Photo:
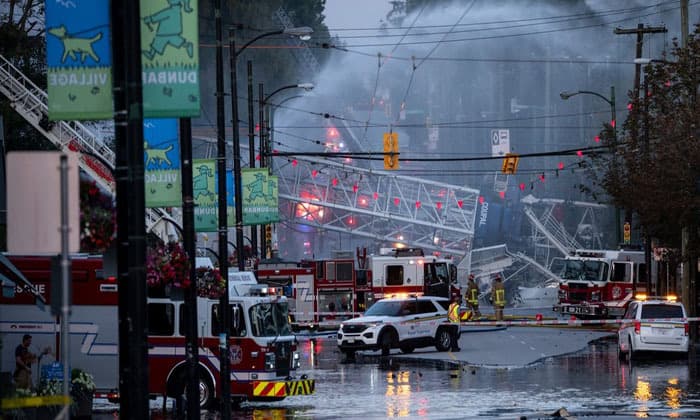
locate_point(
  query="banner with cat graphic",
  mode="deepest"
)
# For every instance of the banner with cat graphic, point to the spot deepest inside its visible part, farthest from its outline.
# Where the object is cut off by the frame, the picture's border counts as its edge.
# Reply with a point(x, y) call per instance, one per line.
point(170, 58)
point(161, 160)
point(79, 60)
point(205, 188)
point(260, 197)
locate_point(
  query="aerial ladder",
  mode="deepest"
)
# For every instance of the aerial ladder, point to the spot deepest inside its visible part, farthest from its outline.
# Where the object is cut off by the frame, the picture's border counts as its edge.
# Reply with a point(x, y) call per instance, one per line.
point(95, 157)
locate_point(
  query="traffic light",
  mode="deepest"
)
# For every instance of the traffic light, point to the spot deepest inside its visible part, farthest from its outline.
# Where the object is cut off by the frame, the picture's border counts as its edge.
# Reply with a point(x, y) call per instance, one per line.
point(391, 151)
point(510, 163)
point(268, 233)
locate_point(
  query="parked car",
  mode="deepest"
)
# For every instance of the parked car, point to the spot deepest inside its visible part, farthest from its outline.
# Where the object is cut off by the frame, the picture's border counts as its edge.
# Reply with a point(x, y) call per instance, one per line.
point(653, 325)
point(401, 322)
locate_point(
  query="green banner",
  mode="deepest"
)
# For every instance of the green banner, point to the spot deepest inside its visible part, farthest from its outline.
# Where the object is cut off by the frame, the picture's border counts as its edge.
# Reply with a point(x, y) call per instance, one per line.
point(260, 197)
point(161, 150)
point(78, 60)
point(170, 58)
point(205, 187)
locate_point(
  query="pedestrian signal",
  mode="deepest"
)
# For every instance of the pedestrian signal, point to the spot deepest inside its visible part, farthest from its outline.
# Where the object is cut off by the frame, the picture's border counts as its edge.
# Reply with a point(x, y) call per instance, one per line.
point(268, 233)
point(391, 151)
point(510, 163)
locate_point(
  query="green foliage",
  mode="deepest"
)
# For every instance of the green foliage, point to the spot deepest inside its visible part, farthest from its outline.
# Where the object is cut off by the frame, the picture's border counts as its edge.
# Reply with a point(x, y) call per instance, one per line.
point(655, 170)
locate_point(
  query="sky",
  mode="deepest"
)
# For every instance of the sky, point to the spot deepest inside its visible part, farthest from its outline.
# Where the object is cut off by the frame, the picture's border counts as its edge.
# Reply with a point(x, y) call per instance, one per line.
point(355, 13)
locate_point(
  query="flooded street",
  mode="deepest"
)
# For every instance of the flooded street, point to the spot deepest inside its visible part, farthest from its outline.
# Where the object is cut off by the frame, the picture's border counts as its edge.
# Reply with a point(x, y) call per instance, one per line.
point(591, 382)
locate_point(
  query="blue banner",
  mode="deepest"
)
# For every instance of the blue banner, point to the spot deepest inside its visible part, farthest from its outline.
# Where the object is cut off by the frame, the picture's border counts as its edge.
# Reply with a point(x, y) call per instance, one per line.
point(161, 159)
point(79, 60)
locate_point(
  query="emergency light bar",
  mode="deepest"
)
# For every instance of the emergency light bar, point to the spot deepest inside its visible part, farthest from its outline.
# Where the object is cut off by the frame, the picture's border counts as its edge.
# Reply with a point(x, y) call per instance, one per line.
point(643, 296)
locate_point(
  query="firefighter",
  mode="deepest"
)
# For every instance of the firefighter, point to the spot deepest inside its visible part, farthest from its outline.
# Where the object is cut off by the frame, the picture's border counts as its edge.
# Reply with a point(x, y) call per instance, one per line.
point(23, 363)
point(453, 317)
point(472, 296)
point(498, 295)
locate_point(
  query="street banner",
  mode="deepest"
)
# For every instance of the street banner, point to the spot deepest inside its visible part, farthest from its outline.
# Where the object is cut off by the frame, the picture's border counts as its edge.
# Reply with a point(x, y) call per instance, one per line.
point(161, 160)
point(170, 58)
point(79, 60)
point(205, 188)
point(260, 197)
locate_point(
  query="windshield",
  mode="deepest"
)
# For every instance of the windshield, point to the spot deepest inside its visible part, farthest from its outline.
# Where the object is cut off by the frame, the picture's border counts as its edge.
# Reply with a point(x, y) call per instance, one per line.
point(388, 308)
point(269, 320)
point(584, 270)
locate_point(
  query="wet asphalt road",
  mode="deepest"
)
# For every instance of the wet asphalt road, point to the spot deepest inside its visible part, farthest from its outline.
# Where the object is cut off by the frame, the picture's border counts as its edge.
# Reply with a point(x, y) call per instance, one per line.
point(589, 382)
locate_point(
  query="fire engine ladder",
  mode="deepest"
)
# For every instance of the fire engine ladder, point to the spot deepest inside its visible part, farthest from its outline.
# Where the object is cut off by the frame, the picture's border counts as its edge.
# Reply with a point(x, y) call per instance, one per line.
point(379, 205)
point(96, 158)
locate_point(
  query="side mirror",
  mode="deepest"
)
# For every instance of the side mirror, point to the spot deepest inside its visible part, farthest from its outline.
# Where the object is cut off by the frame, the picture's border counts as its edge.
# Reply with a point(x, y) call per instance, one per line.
point(235, 320)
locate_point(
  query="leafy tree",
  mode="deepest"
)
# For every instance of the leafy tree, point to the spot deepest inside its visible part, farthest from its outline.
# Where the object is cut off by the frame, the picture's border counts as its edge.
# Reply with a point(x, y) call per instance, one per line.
point(654, 171)
point(22, 44)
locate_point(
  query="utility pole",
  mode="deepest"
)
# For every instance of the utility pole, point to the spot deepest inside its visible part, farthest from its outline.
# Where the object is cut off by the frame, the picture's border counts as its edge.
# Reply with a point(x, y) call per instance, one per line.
point(251, 149)
point(640, 30)
point(131, 210)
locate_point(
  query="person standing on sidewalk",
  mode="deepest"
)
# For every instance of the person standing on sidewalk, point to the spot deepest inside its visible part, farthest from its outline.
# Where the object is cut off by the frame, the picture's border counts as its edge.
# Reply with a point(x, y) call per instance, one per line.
point(498, 294)
point(472, 296)
point(453, 317)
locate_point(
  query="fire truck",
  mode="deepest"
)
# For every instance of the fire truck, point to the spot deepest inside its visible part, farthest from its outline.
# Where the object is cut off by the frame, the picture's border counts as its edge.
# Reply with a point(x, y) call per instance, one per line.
point(336, 288)
point(598, 283)
point(262, 348)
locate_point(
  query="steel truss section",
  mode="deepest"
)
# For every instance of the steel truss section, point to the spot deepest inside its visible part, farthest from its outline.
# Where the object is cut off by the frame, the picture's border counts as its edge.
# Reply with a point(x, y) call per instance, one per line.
point(95, 157)
point(378, 205)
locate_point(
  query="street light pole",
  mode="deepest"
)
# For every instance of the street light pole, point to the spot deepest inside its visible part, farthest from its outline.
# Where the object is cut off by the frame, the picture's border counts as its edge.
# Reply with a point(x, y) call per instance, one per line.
point(613, 124)
point(303, 32)
point(265, 144)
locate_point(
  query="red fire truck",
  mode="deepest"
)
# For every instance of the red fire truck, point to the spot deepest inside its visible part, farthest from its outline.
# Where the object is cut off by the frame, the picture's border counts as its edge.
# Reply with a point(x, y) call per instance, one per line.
point(599, 283)
point(335, 289)
point(263, 350)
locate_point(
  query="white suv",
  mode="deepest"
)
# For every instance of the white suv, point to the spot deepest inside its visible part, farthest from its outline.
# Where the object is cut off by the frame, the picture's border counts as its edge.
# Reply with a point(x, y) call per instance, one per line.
point(404, 323)
point(655, 325)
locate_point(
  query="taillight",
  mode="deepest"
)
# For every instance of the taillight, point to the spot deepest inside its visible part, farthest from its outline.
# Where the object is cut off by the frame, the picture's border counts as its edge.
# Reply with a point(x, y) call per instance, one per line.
point(637, 327)
point(687, 328)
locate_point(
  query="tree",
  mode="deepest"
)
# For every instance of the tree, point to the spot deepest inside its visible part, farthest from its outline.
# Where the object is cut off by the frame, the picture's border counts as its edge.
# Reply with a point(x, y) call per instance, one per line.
point(654, 169)
point(22, 44)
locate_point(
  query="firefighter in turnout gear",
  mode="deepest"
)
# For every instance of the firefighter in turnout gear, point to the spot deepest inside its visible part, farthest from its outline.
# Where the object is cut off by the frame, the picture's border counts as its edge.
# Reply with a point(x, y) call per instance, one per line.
point(472, 297)
point(498, 295)
point(453, 317)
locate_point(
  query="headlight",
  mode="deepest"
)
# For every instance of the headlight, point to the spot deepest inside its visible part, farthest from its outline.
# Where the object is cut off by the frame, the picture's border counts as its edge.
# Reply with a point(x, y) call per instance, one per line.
point(270, 361)
point(562, 294)
point(296, 360)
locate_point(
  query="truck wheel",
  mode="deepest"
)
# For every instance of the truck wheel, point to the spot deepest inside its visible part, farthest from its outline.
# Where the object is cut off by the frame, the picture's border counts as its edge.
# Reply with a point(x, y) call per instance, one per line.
point(443, 339)
point(207, 393)
point(386, 341)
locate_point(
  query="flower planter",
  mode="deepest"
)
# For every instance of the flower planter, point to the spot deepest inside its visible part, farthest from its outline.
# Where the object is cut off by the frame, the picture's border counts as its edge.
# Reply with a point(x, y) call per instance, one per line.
point(83, 406)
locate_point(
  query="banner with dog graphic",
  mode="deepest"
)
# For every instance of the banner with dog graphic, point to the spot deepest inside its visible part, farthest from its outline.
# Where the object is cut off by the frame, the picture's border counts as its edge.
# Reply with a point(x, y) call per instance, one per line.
point(170, 58)
point(205, 187)
point(260, 197)
point(79, 60)
point(161, 160)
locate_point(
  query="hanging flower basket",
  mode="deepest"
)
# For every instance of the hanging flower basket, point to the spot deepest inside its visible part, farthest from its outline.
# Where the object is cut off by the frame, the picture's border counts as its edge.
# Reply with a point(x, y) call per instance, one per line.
point(98, 218)
point(167, 266)
point(210, 283)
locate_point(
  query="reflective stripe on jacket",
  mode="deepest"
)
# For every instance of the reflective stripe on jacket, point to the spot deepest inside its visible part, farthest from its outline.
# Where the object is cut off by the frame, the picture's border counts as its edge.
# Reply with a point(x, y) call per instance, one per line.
point(453, 312)
point(473, 296)
point(500, 298)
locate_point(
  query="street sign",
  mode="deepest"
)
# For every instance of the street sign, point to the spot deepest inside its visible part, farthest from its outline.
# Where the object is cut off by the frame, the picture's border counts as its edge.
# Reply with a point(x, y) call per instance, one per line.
point(500, 142)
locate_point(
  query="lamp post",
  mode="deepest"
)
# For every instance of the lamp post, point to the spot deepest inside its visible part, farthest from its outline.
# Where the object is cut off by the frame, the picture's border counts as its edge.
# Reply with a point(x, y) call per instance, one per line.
point(303, 32)
point(613, 123)
point(265, 142)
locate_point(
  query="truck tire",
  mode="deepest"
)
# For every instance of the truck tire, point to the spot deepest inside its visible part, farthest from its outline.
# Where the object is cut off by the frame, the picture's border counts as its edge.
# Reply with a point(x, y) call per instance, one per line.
point(443, 339)
point(178, 387)
point(387, 338)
